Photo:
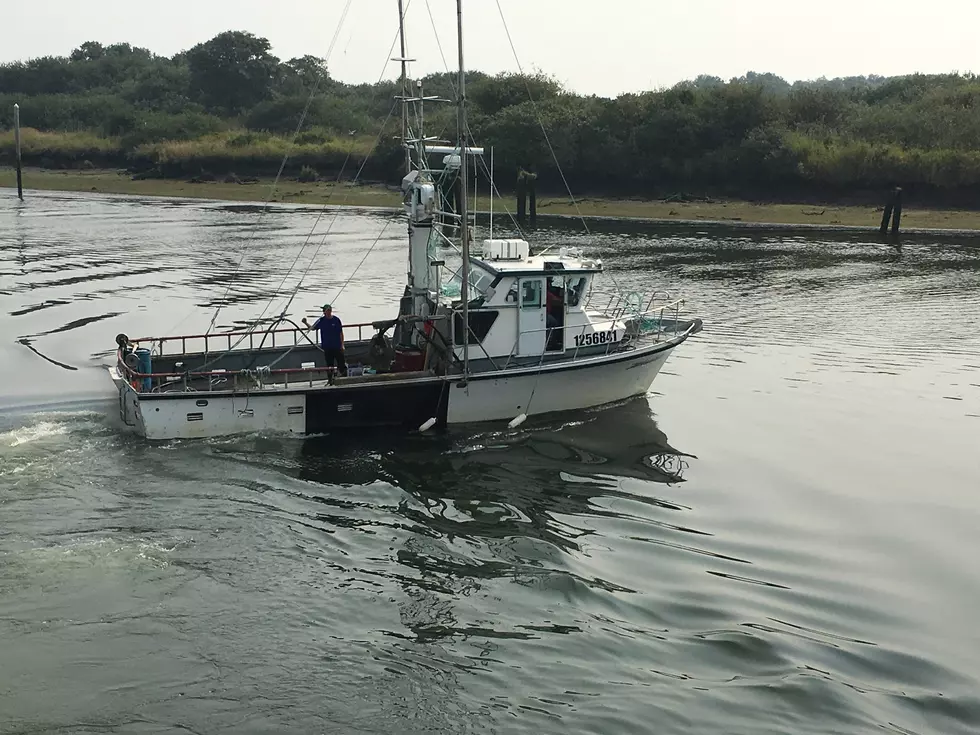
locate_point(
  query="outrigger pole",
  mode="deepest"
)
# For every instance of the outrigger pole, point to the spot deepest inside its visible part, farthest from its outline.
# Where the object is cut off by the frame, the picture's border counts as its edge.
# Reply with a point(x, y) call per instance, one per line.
point(404, 61)
point(464, 289)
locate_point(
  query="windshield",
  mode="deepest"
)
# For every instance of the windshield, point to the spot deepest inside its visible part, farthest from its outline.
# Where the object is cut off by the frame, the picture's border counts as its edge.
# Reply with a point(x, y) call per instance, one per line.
point(479, 281)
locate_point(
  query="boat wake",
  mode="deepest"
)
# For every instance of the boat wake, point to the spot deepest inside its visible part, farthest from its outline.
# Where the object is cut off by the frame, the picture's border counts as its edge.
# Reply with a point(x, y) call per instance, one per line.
point(17, 430)
point(33, 433)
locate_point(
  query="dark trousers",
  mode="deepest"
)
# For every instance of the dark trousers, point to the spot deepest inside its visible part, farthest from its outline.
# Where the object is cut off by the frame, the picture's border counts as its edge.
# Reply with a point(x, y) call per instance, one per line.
point(335, 355)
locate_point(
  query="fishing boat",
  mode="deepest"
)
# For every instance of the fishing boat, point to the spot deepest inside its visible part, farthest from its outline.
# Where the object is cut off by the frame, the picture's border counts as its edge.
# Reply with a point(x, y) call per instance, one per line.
point(508, 334)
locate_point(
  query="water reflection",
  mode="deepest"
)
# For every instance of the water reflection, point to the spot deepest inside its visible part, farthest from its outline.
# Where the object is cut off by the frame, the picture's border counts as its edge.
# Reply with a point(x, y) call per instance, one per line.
point(498, 485)
point(615, 441)
point(584, 554)
point(489, 507)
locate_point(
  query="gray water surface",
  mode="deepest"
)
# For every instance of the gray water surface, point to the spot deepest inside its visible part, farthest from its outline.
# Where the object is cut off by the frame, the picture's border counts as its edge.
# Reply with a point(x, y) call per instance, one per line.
point(781, 538)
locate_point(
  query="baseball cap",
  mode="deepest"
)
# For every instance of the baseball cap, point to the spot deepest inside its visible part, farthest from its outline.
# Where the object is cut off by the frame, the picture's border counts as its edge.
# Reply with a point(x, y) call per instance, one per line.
point(327, 306)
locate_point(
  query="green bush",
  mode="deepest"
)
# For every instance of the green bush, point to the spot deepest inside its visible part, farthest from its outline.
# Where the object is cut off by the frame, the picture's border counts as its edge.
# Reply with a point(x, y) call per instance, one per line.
point(229, 106)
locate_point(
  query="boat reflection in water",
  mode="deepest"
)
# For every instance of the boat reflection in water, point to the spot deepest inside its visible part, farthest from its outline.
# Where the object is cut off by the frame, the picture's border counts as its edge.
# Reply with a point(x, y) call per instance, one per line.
point(496, 508)
point(547, 466)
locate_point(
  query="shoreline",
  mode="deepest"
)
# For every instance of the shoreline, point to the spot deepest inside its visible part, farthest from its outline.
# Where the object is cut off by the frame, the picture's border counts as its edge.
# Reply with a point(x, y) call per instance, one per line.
point(290, 191)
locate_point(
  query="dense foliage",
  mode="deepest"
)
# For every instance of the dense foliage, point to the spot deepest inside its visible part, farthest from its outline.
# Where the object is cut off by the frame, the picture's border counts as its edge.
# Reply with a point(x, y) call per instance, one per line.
point(229, 105)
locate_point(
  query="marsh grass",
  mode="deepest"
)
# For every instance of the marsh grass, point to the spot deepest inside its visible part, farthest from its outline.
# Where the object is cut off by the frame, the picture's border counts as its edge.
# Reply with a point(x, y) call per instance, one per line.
point(373, 195)
point(238, 151)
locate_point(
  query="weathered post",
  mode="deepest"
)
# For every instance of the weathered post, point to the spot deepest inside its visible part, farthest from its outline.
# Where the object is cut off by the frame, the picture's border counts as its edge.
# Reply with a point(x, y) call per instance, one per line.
point(889, 205)
point(897, 213)
point(457, 196)
point(17, 157)
point(521, 195)
point(533, 197)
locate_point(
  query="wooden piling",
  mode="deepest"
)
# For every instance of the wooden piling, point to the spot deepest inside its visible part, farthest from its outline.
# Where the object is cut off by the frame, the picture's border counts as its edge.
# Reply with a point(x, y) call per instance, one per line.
point(887, 215)
point(455, 195)
point(521, 196)
point(532, 193)
point(897, 212)
point(17, 156)
point(892, 213)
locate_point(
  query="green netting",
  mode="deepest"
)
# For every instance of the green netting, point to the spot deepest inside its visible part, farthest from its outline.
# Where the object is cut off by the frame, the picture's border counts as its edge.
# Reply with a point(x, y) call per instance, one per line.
point(649, 325)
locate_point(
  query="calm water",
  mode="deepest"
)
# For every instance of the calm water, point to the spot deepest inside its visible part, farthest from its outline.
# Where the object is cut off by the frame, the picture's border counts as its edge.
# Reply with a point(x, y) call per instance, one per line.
point(781, 538)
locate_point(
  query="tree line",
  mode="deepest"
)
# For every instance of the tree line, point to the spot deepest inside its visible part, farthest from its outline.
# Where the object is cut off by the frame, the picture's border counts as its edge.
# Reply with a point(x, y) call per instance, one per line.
point(229, 104)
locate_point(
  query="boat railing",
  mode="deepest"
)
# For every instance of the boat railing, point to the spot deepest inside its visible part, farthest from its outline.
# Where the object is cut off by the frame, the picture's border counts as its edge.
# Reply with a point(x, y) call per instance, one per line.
point(243, 339)
point(617, 304)
point(230, 342)
point(193, 381)
point(648, 323)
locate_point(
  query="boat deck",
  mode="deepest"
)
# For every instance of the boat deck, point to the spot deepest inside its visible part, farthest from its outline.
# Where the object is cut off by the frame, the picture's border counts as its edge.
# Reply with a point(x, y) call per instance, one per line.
point(240, 362)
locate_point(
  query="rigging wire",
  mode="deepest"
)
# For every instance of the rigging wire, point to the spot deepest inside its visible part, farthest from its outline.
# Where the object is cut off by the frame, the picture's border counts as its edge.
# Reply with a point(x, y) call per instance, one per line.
point(344, 286)
point(469, 131)
point(547, 139)
point(357, 177)
point(333, 221)
point(255, 324)
point(326, 204)
point(253, 327)
point(534, 106)
point(282, 167)
point(306, 242)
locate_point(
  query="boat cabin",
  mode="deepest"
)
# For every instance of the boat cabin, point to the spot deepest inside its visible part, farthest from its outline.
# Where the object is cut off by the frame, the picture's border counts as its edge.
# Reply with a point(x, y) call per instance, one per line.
point(532, 308)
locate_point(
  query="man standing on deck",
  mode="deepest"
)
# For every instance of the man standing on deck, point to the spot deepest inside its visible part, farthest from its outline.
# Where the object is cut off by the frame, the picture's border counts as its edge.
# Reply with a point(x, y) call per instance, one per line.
point(331, 338)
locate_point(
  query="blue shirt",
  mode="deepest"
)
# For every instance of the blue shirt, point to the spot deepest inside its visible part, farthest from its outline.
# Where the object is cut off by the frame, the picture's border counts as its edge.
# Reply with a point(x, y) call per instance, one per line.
point(330, 332)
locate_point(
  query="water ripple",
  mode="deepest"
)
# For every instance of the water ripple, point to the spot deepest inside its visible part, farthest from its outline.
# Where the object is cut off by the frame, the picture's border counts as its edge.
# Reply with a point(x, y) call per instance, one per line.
point(758, 546)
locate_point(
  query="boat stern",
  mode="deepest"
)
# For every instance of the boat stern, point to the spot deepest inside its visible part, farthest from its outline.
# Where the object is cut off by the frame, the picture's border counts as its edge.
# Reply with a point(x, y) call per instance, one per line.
point(129, 402)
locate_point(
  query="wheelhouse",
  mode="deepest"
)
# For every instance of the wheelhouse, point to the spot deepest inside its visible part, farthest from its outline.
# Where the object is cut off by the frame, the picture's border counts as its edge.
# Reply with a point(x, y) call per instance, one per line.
point(532, 307)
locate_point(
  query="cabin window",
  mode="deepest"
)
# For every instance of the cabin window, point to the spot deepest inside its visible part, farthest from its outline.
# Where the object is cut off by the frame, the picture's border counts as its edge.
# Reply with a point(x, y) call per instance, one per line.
point(480, 324)
point(480, 280)
point(576, 290)
point(531, 294)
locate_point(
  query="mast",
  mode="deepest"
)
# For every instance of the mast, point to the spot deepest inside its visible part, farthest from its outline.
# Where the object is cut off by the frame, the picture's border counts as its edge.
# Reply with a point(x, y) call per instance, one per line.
point(404, 60)
point(464, 289)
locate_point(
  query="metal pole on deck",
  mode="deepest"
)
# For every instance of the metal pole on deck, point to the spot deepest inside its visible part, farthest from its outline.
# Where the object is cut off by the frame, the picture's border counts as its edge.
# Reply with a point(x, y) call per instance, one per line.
point(464, 288)
point(404, 81)
point(491, 192)
point(20, 179)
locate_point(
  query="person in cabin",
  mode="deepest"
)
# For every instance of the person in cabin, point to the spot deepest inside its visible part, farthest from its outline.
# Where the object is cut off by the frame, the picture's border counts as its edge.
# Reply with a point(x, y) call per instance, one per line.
point(554, 315)
point(331, 338)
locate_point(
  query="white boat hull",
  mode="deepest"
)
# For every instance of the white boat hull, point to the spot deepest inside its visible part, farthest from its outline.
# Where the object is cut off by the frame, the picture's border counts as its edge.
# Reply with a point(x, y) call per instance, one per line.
point(499, 396)
point(571, 388)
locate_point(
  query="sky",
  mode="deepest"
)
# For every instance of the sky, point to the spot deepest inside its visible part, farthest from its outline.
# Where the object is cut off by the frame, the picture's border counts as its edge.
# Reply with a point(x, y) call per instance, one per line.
point(605, 48)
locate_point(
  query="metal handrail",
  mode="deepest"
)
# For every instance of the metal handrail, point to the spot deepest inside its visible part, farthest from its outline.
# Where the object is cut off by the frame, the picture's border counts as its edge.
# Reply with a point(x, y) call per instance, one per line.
point(618, 303)
point(161, 378)
point(161, 341)
point(295, 331)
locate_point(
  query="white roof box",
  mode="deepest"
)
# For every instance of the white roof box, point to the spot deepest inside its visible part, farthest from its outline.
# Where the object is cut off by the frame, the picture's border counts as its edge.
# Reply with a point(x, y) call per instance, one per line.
point(513, 249)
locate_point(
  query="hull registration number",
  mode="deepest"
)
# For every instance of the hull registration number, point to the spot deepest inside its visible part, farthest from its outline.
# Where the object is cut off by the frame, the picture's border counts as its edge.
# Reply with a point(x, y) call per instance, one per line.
point(596, 338)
